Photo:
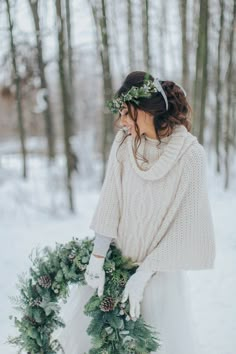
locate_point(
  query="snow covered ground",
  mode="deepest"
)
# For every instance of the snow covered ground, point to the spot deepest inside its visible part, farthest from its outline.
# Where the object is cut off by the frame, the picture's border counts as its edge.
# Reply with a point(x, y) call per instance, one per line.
point(33, 213)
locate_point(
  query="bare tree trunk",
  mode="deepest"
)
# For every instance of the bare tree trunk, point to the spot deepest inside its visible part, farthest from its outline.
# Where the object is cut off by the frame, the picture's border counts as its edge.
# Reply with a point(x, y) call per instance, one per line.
point(146, 46)
point(185, 51)
point(97, 26)
point(18, 90)
point(198, 77)
point(230, 93)
point(218, 125)
point(70, 68)
point(195, 9)
point(204, 89)
point(201, 80)
point(162, 33)
point(99, 14)
point(118, 52)
point(65, 104)
point(130, 35)
point(108, 134)
point(47, 112)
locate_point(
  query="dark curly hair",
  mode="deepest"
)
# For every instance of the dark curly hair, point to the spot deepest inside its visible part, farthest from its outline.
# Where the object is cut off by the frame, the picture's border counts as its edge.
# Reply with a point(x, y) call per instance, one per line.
point(179, 111)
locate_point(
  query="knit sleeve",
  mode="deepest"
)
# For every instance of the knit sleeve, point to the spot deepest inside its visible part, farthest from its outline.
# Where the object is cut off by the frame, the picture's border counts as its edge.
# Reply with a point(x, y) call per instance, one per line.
point(101, 244)
point(106, 217)
point(187, 233)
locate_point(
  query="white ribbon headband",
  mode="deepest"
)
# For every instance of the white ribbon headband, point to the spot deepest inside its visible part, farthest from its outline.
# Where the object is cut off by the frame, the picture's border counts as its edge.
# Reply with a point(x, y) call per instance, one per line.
point(160, 89)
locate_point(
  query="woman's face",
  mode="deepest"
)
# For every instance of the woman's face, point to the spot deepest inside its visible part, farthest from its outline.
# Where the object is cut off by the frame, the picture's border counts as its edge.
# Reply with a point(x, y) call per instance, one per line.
point(144, 121)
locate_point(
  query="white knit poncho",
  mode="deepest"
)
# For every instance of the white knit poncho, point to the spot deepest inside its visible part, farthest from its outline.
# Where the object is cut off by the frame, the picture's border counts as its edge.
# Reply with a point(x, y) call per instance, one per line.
point(158, 212)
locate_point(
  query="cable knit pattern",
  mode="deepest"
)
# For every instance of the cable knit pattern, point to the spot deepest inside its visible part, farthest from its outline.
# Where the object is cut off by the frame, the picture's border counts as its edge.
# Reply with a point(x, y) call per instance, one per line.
point(158, 212)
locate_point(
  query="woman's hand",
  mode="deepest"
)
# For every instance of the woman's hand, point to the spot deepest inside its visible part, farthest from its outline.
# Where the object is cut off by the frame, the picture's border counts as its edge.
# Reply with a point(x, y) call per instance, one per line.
point(95, 274)
point(134, 290)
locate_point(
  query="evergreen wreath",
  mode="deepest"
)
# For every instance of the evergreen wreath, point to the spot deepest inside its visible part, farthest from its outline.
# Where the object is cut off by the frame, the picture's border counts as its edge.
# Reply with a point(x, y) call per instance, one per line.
point(51, 273)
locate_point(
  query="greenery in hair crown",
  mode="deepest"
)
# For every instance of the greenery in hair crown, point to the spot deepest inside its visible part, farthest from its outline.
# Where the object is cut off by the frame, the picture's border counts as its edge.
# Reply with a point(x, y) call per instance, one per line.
point(117, 103)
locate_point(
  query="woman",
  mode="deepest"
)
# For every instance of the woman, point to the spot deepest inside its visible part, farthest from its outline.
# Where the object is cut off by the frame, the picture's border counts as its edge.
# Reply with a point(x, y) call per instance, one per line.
point(154, 205)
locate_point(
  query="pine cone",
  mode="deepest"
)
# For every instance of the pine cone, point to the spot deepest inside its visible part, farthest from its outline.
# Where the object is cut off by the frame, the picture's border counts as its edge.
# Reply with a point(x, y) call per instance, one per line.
point(107, 304)
point(45, 281)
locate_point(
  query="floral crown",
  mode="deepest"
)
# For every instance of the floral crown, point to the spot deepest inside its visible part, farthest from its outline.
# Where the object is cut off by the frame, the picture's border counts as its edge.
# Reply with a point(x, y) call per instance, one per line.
point(149, 87)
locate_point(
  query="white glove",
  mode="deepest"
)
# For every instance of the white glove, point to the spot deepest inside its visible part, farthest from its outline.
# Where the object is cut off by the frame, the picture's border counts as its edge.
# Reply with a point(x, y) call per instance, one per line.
point(134, 290)
point(95, 274)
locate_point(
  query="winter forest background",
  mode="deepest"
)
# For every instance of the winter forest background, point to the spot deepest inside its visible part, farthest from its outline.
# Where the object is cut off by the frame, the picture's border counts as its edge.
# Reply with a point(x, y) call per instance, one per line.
point(60, 61)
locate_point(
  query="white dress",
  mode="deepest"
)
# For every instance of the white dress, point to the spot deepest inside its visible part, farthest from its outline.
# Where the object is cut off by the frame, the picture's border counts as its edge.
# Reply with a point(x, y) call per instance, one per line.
point(166, 306)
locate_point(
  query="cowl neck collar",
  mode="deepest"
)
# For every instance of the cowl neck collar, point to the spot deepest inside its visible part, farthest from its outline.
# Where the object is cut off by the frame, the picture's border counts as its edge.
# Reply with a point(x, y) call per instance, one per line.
point(156, 141)
point(173, 148)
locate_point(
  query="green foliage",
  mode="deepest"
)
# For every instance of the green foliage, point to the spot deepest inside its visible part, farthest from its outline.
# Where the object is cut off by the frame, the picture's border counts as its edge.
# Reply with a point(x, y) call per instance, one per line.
point(51, 273)
point(117, 103)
